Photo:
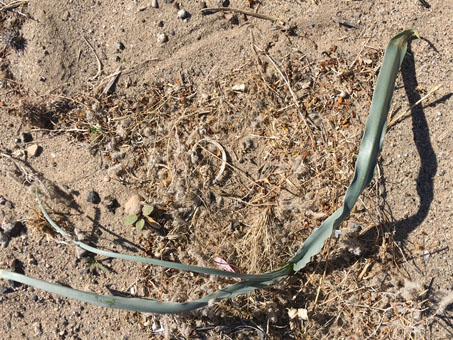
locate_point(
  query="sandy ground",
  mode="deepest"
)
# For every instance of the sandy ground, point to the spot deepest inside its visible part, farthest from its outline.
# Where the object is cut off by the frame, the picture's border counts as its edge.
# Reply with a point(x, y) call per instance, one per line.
point(54, 51)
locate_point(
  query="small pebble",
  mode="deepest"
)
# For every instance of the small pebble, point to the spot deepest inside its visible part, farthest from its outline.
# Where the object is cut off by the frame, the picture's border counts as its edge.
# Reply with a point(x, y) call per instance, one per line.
point(33, 150)
point(154, 4)
point(19, 154)
point(4, 239)
point(239, 87)
point(120, 46)
point(168, 1)
point(160, 23)
point(223, 3)
point(118, 155)
point(133, 205)
point(182, 14)
point(13, 229)
point(162, 38)
point(93, 197)
point(355, 227)
point(80, 252)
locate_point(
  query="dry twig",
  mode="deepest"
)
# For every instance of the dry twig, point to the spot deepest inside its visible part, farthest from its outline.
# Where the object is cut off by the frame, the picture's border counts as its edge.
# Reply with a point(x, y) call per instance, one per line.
point(97, 59)
point(241, 11)
point(402, 115)
point(12, 5)
point(224, 157)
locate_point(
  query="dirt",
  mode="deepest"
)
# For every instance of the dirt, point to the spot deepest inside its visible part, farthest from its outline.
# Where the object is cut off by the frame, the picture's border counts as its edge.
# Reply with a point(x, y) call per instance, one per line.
point(151, 133)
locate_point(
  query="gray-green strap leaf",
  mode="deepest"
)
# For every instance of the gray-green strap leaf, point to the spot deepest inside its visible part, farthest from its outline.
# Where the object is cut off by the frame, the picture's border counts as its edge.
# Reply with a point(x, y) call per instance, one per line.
point(369, 149)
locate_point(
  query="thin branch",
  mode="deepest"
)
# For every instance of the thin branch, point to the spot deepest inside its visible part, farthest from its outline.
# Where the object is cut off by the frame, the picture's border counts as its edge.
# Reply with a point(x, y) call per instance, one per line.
point(97, 59)
point(241, 11)
point(397, 118)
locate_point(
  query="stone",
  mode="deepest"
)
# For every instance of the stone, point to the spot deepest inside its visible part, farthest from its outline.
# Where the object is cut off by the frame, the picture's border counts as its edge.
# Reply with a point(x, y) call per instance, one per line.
point(120, 46)
point(126, 122)
point(118, 155)
point(33, 150)
point(19, 154)
point(80, 252)
point(93, 197)
point(154, 4)
point(182, 14)
point(162, 38)
point(13, 229)
point(133, 205)
point(4, 239)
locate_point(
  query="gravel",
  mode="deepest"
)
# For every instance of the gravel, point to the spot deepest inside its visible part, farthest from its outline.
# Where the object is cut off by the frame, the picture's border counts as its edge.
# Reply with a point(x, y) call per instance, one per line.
point(93, 197)
point(182, 14)
point(162, 38)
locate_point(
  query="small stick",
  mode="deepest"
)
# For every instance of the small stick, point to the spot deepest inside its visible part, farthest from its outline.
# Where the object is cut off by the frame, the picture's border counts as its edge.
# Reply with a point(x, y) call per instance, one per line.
point(343, 22)
point(224, 157)
point(396, 119)
point(321, 280)
point(139, 66)
point(425, 3)
point(242, 172)
point(11, 5)
point(114, 76)
point(97, 59)
point(236, 10)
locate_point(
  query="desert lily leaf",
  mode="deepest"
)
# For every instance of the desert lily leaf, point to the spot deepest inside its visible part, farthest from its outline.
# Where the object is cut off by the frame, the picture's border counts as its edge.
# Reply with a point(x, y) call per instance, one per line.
point(369, 150)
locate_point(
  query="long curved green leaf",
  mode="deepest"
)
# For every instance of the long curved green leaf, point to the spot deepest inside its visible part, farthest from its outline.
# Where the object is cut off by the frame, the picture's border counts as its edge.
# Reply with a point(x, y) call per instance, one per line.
point(364, 170)
point(147, 305)
point(369, 150)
